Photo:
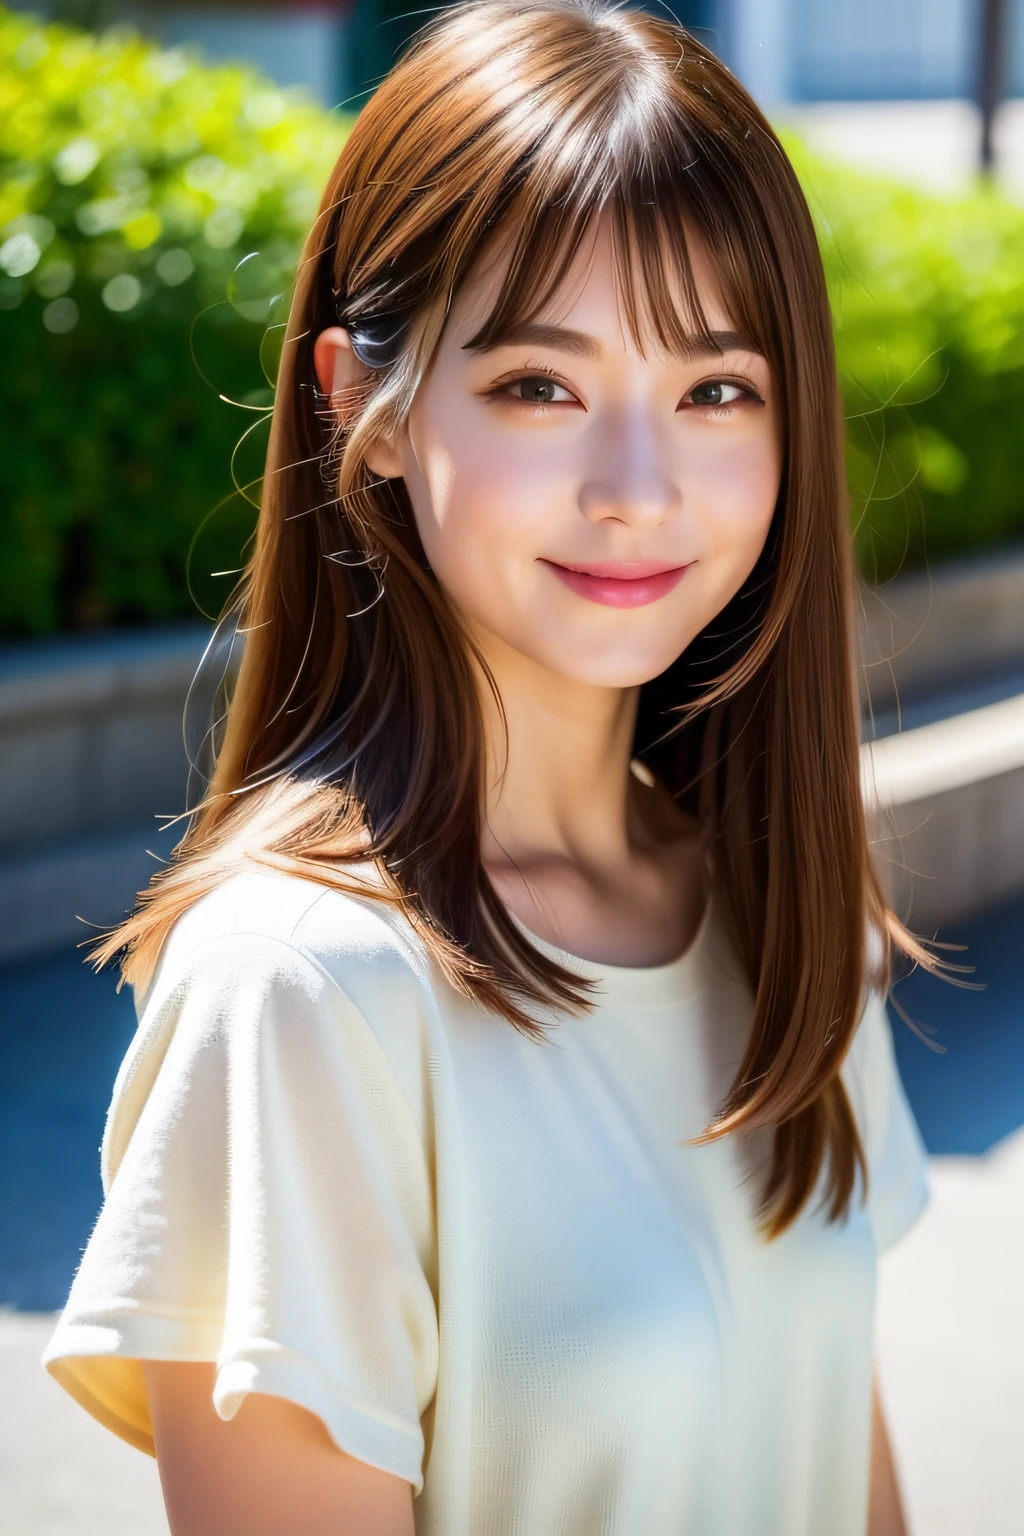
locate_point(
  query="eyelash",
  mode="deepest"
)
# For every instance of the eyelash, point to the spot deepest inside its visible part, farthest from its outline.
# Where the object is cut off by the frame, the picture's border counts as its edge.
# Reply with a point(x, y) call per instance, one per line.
point(499, 390)
point(540, 370)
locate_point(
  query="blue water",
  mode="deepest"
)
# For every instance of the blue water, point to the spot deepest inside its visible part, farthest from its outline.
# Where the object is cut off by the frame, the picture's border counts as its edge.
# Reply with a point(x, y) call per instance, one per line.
point(64, 1030)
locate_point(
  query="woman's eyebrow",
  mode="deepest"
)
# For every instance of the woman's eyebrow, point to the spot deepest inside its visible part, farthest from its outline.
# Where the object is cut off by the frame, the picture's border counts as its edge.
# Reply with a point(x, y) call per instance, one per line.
point(578, 344)
point(717, 342)
point(534, 335)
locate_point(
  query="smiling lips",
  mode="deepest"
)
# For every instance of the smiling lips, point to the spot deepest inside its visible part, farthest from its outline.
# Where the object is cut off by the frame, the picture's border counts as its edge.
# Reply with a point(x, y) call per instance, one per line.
point(620, 583)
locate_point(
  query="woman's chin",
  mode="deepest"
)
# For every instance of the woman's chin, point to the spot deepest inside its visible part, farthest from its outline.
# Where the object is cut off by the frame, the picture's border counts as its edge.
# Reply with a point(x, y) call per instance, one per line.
point(616, 669)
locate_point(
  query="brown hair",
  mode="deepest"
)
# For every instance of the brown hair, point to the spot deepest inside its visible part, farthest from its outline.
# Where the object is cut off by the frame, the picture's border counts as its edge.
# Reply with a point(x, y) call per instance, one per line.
point(353, 727)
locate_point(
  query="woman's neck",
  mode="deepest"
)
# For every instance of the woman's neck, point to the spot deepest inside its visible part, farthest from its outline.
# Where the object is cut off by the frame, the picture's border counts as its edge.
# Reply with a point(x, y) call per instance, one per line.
point(576, 848)
point(557, 751)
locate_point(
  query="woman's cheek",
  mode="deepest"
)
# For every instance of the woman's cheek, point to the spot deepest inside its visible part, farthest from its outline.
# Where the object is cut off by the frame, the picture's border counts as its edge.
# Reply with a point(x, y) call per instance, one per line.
point(456, 495)
point(489, 497)
point(476, 531)
point(734, 486)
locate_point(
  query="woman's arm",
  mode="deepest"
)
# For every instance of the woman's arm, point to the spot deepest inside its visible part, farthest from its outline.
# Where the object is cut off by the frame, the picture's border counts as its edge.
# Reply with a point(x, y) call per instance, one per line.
point(885, 1510)
point(272, 1468)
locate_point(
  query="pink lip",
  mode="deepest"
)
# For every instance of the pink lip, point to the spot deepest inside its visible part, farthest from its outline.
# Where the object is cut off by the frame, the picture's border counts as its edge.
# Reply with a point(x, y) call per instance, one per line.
point(620, 583)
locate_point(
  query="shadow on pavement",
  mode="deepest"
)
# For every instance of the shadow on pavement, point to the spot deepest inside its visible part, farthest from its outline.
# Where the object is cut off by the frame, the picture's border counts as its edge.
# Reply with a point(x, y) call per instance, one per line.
point(63, 1032)
point(971, 1097)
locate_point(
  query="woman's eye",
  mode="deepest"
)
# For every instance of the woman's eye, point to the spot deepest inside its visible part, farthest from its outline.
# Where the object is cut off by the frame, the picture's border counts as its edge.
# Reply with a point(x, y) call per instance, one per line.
point(716, 392)
point(538, 390)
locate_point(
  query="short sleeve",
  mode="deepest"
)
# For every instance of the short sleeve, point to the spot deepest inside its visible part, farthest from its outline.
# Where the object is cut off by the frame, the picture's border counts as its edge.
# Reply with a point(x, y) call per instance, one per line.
point(267, 1207)
point(898, 1180)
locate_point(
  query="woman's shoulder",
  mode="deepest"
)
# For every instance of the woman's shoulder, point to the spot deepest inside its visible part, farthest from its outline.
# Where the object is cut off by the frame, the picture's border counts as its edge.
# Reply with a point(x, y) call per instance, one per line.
point(271, 966)
point(319, 954)
point(268, 918)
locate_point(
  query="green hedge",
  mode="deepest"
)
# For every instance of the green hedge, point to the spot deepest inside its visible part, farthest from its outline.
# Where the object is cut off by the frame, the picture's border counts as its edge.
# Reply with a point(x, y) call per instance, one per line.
point(928, 298)
point(133, 181)
point(150, 208)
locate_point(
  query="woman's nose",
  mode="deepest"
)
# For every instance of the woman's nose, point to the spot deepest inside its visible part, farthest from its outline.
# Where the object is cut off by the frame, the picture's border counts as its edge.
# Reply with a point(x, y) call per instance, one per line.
point(628, 479)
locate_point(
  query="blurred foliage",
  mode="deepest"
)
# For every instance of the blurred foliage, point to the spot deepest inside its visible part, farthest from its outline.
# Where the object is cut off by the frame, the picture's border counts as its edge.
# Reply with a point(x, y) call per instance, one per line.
point(134, 183)
point(151, 212)
point(928, 299)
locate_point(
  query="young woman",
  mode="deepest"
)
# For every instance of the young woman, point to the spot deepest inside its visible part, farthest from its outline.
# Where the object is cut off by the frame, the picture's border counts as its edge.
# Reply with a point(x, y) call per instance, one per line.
point(512, 1127)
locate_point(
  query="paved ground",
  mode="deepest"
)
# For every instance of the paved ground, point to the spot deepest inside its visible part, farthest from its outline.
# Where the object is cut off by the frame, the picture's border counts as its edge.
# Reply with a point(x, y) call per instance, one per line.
point(950, 1325)
point(60, 1473)
point(951, 1345)
point(951, 1348)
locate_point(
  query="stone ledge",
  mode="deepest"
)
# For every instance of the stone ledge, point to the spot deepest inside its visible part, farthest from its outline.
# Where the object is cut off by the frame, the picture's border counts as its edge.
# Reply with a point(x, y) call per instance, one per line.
point(928, 632)
point(91, 732)
point(91, 746)
point(948, 804)
point(61, 894)
point(80, 674)
point(945, 755)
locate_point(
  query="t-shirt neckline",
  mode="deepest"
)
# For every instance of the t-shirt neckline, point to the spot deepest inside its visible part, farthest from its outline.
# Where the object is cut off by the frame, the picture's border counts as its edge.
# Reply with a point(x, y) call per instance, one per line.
point(647, 986)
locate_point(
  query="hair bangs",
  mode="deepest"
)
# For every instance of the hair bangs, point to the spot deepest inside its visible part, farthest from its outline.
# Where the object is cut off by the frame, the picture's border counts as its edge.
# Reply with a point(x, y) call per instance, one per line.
point(641, 168)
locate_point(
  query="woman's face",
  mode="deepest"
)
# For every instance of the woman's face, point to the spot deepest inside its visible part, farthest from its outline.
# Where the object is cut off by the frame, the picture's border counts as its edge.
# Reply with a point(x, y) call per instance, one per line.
point(588, 506)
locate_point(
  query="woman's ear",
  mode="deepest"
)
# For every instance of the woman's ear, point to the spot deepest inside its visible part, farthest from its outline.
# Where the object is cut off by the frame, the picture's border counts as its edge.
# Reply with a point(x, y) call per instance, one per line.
point(342, 378)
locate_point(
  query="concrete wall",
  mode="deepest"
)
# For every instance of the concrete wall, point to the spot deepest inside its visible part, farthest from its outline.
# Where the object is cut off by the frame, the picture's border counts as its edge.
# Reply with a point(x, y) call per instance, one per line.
point(949, 817)
point(91, 732)
point(959, 631)
point(91, 751)
point(943, 689)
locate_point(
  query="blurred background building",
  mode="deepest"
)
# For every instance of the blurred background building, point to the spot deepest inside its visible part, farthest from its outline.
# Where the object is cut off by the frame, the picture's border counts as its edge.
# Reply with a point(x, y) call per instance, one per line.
point(786, 51)
point(876, 50)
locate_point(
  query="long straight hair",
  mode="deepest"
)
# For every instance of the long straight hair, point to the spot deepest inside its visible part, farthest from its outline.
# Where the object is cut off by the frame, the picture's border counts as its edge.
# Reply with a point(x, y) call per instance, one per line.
point(353, 735)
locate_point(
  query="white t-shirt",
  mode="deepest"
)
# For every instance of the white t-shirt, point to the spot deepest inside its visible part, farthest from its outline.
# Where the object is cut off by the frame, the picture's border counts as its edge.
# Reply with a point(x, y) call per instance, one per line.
point(486, 1263)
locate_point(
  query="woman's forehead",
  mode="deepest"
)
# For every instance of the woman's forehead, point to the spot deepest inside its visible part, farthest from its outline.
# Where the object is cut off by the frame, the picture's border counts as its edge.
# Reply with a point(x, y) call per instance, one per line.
point(589, 299)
